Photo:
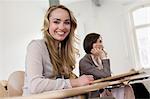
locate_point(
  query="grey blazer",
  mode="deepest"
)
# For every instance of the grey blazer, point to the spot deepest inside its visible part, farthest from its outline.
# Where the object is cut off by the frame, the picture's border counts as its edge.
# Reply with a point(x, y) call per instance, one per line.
point(87, 66)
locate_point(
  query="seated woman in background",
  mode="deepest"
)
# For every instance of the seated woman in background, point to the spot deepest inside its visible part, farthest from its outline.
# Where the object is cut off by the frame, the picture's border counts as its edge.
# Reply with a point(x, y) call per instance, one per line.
point(96, 63)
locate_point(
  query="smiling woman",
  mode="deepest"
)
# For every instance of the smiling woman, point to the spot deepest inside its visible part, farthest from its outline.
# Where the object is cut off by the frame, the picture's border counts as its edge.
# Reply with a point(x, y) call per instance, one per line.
point(60, 26)
point(51, 60)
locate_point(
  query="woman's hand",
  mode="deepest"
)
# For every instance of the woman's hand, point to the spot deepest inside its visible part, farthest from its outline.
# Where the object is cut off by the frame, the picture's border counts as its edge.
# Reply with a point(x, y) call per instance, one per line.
point(82, 80)
point(99, 52)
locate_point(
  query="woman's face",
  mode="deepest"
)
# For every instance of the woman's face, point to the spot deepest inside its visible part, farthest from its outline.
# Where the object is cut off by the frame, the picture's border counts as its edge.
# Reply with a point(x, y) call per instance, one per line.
point(98, 44)
point(60, 24)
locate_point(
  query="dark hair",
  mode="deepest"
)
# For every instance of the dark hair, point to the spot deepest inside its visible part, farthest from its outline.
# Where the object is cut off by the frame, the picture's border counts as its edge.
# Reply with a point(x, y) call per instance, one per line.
point(89, 40)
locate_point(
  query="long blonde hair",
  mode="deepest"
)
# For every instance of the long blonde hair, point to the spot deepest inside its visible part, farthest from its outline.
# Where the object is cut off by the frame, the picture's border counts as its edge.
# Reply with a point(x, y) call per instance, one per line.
point(63, 62)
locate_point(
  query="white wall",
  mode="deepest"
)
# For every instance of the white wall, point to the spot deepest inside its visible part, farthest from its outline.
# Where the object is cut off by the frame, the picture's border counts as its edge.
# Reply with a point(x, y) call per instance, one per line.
point(21, 22)
point(86, 21)
point(112, 26)
point(110, 21)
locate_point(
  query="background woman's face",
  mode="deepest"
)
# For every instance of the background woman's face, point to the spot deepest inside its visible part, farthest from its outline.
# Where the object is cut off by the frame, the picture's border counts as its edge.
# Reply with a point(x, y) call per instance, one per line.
point(98, 44)
point(60, 24)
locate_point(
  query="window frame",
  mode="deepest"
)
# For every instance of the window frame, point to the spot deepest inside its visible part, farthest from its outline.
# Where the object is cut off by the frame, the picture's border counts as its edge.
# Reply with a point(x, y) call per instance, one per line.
point(136, 53)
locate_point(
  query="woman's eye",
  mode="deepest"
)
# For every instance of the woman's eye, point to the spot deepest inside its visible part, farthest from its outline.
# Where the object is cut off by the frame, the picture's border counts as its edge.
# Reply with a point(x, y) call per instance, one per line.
point(57, 22)
point(100, 41)
point(67, 23)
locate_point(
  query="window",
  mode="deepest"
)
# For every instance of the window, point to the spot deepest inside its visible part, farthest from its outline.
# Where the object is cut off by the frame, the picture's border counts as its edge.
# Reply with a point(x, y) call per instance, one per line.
point(141, 26)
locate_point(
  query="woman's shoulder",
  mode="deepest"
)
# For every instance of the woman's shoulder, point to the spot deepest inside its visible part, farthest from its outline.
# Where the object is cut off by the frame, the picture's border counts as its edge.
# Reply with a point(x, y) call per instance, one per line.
point(36, 44)
point(86, 57)
point(37, 41)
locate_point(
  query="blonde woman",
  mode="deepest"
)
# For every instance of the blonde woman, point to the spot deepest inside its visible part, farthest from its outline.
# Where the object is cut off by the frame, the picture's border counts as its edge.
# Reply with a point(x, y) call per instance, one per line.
point(51, 60)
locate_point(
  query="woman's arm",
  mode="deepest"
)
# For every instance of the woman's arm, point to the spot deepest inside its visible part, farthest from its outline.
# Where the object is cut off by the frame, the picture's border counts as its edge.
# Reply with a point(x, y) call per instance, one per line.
point(36, 81)
point(86, 66)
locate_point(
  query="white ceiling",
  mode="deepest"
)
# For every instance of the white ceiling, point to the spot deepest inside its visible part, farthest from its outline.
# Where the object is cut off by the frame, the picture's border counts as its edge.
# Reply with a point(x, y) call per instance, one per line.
point(69, 1)
point(123, 2)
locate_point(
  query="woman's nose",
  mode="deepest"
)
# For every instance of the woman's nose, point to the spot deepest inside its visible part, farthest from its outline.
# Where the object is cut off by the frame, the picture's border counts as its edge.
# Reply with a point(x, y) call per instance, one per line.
point(99, 44)
point(61, 26)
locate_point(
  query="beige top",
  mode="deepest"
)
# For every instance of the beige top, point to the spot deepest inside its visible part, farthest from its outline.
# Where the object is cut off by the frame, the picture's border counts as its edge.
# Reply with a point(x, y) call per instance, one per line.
point(38, 71)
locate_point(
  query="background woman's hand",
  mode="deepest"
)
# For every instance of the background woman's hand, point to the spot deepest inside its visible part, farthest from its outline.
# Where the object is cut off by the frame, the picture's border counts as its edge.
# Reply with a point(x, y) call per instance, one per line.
point(97, 52)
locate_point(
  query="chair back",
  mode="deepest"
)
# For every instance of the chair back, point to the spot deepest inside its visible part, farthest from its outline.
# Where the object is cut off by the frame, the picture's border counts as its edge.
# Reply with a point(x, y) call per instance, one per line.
point(15, 83)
